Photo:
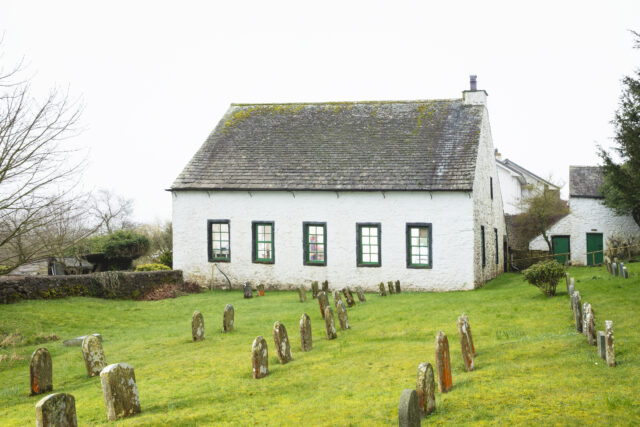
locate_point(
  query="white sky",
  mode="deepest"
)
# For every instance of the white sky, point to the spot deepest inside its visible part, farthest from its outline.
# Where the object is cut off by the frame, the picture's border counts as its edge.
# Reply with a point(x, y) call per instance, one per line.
point(155, 77)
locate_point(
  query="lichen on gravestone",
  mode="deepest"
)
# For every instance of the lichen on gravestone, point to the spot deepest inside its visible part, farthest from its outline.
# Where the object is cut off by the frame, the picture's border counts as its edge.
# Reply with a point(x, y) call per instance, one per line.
point(443, 363)
point(228, 318)
point(306, 340)
point(360, 294)
point(302, 294)
point(41, 371)
point(93, 355)
point(577, 310)
point(325, 286)
point(259, 357)
point(281, 341)
point(609, 342)
point(314, 290)
point(342, 315)
point(426, 389)
point(330, 324)
point(383, 292)
point(408, 409)
point(467, 356)
point(349, 297)
point(56, 410)
point(397, 286)
point(323, 301)
point(197, 326)
point(337, 296)
point(469, 335)
point(391, 287)
point(120, 391)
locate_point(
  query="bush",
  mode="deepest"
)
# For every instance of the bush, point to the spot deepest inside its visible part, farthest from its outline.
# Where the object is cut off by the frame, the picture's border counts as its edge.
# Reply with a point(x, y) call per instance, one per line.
point(4, 269)
point(152, 267)
point(545, 275)
point(119, 248)
point(166, 257)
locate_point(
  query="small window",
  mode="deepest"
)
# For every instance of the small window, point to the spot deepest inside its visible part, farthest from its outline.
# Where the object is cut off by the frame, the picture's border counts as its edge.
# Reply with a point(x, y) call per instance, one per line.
point(219, 240)
point(491, 186)
point(314, 236)
point(495, 231)
point(263, 242)
point(368, 245)
point(419, 245)
point(484, 259)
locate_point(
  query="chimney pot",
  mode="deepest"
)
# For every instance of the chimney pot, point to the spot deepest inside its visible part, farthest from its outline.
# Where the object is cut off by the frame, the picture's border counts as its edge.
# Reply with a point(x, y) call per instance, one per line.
point(473, 82)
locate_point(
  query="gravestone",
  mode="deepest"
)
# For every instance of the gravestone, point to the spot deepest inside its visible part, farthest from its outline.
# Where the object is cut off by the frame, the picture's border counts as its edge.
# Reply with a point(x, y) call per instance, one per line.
point(41, 371)
point(360, 294)
point(383, 292)
point(391, 288)
point(330, 324)
point(93, 355)
point(571, 291)
point(246, 289)
point(408, 409)
point(227, 318)
point(337, 296)
point(325, 287)
point(259, 357)
point(625, 273)
point(281, 341)
point(197, 326)
point(56, 410)
point(443, 363)
point(305, 333)
point(314, 290)
point(426, 389)
point(261, 289)
point(602, 346)
point(397, 286)
point(614, 267)
point(323, 302)
point(348, 296)
point(342, 315)
point(470, 336)
point(467, 355)
point(577, 310)
point(120, 391)
point(572, 281)
point(567, 277)
point(620, 268)
point(77, 341)
point(591, 329)
point(610, 351)
point(302, 294)
point(585, 310)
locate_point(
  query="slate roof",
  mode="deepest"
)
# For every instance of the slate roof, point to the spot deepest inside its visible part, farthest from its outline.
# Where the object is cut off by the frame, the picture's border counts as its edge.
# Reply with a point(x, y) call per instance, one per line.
point(585, 181)
point(394, 145)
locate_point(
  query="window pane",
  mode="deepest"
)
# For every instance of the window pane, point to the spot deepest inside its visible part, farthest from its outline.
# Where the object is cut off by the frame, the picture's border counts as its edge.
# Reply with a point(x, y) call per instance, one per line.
point(215, 227)
point(366, 258)
point(320, 256)
point(374, 231)
point(374, 258)
point(267, 229)
point(414, 232)
point(415, 259)
point(414, 241)
point(424, 232)
point(365, 240)
point(320, 238)
point(374, 249)
point(320, 248)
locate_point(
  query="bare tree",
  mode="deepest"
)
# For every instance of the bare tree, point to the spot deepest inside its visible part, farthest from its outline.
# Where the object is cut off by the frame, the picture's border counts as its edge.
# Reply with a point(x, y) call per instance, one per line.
point(113, 211)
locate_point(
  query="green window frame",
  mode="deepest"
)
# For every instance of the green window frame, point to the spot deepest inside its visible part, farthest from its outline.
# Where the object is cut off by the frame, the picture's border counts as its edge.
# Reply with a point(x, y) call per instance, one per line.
point(219, 240)
point(314, 242)
point(368, 244)
point(484, 255)
point(419, 245)
point(263, 242)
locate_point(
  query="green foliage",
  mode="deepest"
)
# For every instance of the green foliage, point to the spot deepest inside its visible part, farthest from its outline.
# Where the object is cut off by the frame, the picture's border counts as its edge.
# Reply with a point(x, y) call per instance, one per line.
point(545, 275)
point(152, 267)
point(166, 258)
point(4, 269)
point(119, 248)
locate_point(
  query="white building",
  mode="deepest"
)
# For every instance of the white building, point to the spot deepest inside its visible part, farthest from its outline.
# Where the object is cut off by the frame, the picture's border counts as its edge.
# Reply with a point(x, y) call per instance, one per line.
point(585, 231)
point(354, 193)
point(515, 182)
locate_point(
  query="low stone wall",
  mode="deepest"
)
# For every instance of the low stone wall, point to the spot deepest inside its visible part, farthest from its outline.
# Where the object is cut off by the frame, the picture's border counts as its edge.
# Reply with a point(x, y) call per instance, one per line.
point(108, 284)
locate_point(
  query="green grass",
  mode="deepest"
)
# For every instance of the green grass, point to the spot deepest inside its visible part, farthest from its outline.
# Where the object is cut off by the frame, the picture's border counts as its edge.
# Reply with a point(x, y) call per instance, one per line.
point(531, 366)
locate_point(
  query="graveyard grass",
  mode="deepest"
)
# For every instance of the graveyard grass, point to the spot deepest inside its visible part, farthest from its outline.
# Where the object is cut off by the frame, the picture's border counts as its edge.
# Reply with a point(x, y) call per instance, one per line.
point(531, 365)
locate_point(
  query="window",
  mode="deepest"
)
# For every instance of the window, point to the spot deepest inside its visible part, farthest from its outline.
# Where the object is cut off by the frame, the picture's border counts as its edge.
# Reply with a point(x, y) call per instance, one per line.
point(368, 244)
point(263, 246)
point(491, 186)
point(495, 231)
point(314, 235)
point(219, 240)
point(419, 245)
point(484, 259)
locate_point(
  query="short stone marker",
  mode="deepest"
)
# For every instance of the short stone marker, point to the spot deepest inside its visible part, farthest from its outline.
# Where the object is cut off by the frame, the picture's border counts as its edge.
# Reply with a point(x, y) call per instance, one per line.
point(577, 310)
point(302, 294)
point(330, 324)
point(56, 410)
point(426, 389)
point(197, 326)
point(342, 315)
point(337, 296)
point(120, 391)
point(443, 363)
point(567, 277)
point(77, 341)
point(281, 341)
point(247, 291)
point(391, 288)
point(305, 333)
point(314, 290)
point(348, 296)
point(325, 287)
point(360, 294)
point(614, 267)
point(383, 292)
point(602, 345)
point(397, 286)
point(591, 327)
point(469, 335)
point(260, 357)
point(323, 302)
point(610, 351)
point(93, 355)
point(467, 355)
point(227, 318)
point(408, 409)
point(41, 371)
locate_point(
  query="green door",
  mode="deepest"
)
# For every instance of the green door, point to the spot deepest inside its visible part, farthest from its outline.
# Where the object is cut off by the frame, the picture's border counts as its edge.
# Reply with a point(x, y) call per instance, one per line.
point(560, 245)
point(594, 249)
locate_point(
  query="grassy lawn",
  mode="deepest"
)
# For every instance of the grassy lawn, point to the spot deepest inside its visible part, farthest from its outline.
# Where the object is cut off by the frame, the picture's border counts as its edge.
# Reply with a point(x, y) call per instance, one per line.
point(531, 365)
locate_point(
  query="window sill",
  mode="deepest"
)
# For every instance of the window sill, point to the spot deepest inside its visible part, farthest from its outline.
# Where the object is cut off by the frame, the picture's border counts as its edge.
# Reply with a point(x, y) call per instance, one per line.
point(420, 267)
point(368, 265)
point(219, 260)
point(263, 262)
point(316, 264)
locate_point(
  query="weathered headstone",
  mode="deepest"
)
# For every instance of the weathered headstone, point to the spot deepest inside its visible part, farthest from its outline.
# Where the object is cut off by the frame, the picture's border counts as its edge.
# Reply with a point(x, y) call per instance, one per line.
point(572, 281)
point(227, 318)
point(77, 341)
point(281, 341)
point(467, 355)
point(620, 268)
point(330, 324)
point(614, 267)
point(625, 273)
point(348, 296)
point(383, 292)
point(197, 326)
point(391, 288)
point(325, 287)
point(342, 315)
point(323, 301)
point(56, 410)
point(469, 335)
point(93, 355)
point(306, 340)
point(567, 277)
point(610, 350)
point(585, 310)
point(302, 294)
point(360, 294)
point(571, 291)
point(397, 286)
point(443, 363)
point(120, 391)
point(602, 345)
point(247, 291)
point(577, 310)
point(426, 388)
point(408, 409)
point(261, 289)
point(591, 328)
point(314, 290)
point(41, 371)
point(337, 296)
point(260, 357)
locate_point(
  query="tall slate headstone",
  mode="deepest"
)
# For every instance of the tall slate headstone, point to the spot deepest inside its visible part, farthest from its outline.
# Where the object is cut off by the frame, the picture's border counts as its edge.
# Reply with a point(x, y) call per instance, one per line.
point(93, 355)
point(197, 326)
point(348, 296)
point(469, 335)
point(383, 292)
point(330, 324)
point(360, 294)
point(467, 355)
point(443, 363)
point(41, 371)
point(586, 307)
point(314, 290)
point(56, 410)
point(577, 310)
point(259, 358)
point(247, 291)
point(323, 301)
point(342, 315)
point(602, 345)
point(302, 294)
point(306, 340)
point(610, 350)
point(120, 391)
point(281, 341)
point(227, 318)
point(614, 267)
point(408, 409)
point(620, 268)
point(426, 388)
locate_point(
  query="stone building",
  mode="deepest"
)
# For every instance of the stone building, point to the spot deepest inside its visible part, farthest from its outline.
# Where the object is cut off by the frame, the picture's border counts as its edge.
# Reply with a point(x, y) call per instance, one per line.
point(354, 193)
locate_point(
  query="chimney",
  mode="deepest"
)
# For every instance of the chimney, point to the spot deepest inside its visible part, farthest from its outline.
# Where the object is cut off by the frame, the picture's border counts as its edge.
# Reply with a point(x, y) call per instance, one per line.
point(497, 154)
point(474, 96)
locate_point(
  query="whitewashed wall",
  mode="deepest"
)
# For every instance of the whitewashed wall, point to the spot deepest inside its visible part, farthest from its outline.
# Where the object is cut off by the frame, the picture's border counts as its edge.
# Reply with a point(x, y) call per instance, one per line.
point(588, 215)
point(511, 190)
point(450, 213)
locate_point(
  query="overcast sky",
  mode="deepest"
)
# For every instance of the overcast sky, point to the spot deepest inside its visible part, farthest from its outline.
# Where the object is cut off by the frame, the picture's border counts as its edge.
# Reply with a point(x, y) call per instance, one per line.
point(155, 77)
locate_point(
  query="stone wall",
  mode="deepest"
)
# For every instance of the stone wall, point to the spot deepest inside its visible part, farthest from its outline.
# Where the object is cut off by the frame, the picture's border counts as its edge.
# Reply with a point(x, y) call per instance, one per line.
point(109, 284)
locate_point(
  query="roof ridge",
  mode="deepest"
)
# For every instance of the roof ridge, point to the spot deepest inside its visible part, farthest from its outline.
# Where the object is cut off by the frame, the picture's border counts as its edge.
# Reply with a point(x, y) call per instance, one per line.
point(246, 104)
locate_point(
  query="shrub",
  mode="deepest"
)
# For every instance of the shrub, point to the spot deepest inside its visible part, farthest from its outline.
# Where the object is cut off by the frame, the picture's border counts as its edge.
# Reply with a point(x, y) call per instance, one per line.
point(4, 269)
point(545, 275)
point(166, 257)
point(118, 248)
point(152, 267)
